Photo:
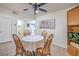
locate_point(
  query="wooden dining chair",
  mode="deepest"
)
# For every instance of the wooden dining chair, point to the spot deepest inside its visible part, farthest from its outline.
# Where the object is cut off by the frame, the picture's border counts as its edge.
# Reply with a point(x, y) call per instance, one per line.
point(44, 34)
point(19, 46)
point(45, 50)
point(27, 32)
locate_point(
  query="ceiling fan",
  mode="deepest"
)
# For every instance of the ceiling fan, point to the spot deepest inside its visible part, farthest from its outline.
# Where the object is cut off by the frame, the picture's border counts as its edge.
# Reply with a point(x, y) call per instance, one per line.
point(36, 7)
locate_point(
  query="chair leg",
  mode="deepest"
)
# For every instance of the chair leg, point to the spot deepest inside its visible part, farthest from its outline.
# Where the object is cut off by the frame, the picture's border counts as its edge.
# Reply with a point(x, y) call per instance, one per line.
point(49, 54)
point(15, 54)
point(25, 54)
point(21, 54)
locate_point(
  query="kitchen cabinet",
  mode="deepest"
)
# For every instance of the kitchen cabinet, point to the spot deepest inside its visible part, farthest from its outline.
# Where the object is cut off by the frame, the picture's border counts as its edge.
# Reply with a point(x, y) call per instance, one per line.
point(73, 16)
point(73, 27)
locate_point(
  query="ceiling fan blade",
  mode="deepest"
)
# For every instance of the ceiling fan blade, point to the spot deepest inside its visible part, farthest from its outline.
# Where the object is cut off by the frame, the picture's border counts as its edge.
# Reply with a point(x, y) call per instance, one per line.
point(41, 4)
point(35, 3)
point(25, 9)
point(43, 10)
point(30, 4)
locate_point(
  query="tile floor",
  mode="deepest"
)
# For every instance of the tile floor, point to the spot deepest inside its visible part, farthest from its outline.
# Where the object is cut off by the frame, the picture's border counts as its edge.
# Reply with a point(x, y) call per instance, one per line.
point(8, 49)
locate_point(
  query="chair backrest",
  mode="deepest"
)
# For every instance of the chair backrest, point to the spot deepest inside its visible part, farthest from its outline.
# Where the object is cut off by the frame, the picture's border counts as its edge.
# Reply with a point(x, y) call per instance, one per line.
point(44, 34)
point(48, 41)
point(17, 41)
point(27, 32)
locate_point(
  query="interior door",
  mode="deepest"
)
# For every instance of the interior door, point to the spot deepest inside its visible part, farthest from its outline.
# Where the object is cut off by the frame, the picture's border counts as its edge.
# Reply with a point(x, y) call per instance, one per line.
point(5, 30)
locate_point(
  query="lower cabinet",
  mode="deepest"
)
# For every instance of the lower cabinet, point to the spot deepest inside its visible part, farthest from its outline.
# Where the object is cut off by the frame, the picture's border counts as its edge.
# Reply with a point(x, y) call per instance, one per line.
point(72, 50)
point(78, 52)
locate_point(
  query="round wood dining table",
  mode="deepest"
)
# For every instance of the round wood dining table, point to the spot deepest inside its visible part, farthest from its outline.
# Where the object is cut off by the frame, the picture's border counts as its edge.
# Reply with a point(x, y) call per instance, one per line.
point(32, 38)
point(31, 42)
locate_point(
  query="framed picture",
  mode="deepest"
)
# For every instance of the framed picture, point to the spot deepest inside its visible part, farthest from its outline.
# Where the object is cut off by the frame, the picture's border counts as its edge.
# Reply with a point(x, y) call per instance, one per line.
point(47, 24)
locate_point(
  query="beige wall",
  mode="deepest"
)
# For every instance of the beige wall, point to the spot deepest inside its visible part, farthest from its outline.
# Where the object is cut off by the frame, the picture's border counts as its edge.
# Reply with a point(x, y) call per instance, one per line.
point(60, 31)
point(7, 28)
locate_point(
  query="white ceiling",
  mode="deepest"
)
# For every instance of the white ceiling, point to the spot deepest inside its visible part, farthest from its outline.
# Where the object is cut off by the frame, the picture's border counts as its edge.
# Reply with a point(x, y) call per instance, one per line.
point(50, 7)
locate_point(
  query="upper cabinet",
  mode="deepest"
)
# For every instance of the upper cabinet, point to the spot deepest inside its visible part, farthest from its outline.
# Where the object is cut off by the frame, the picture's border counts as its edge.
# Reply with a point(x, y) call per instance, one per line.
point(73, 16)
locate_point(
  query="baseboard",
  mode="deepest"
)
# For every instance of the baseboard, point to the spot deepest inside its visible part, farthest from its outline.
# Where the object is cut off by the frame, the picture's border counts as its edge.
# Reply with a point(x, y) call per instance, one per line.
point(60, 45)
point(5, 42)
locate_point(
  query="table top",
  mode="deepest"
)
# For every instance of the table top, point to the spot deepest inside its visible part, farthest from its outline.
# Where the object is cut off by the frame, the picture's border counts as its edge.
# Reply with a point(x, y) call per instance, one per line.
point(32, 38)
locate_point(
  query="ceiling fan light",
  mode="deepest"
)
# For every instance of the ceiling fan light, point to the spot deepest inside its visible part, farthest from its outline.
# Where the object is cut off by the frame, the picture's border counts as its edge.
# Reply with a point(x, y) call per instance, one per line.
point(36, 11)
